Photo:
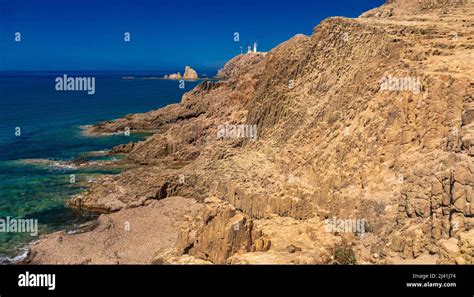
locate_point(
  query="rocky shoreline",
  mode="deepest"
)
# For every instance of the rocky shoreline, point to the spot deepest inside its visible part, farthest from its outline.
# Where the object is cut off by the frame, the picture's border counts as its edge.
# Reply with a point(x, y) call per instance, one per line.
point(332, 145)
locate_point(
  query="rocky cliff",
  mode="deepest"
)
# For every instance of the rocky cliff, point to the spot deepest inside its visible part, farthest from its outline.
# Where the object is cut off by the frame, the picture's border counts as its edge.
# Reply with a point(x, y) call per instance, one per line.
point(368, 120)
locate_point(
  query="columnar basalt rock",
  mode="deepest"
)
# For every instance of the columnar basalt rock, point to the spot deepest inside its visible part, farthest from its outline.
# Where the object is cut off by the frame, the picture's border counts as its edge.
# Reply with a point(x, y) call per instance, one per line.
point(218, 232)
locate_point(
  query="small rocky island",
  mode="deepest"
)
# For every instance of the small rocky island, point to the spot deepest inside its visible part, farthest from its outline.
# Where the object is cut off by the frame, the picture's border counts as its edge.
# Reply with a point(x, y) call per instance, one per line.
point(189, 74)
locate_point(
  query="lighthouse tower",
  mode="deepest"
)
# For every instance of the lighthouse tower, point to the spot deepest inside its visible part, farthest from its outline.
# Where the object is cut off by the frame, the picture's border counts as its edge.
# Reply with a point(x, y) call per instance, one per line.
point(255, 47)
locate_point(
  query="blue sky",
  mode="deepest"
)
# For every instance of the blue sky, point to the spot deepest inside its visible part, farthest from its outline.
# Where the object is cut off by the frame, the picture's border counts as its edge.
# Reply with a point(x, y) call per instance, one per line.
point(165, 35)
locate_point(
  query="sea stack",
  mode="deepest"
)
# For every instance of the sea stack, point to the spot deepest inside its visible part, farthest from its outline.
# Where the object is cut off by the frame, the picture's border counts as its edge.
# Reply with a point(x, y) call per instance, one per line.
point(189, 74)
point(174, 76)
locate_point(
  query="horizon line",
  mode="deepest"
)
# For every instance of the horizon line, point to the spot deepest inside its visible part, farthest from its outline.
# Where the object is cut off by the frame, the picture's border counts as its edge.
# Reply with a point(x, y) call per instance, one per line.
point(95, 70)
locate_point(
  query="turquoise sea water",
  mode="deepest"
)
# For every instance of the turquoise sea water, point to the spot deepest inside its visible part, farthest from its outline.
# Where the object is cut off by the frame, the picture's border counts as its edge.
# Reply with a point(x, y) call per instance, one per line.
point(50, 124)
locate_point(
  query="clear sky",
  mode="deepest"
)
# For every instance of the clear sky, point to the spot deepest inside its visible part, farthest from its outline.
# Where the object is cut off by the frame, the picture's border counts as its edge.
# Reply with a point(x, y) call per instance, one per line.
point(165, 35)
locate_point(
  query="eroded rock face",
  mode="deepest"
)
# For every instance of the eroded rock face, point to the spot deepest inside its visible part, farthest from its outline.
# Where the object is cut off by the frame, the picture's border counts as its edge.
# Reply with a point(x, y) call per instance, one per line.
point(428, 4)
point(216, 233)
point(239, 65)
point(368, 118)
point(458, 250)
point(190, 74)
point(414, 7)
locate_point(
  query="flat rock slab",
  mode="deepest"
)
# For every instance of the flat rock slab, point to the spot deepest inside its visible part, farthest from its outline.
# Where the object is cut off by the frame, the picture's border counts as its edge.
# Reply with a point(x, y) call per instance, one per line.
point(130, 236)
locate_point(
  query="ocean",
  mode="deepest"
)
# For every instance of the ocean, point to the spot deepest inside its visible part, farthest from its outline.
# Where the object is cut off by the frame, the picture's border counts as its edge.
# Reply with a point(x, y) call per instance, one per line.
point(38, 122)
